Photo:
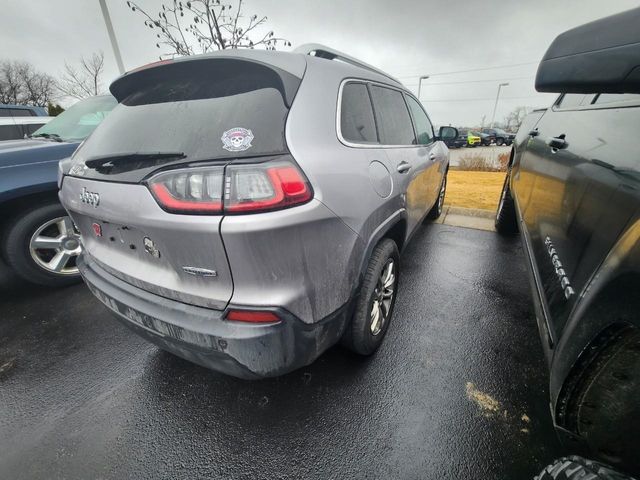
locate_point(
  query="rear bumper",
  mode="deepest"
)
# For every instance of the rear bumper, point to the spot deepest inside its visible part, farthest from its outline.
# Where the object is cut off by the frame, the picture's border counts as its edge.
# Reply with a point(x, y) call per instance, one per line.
point(200, 335)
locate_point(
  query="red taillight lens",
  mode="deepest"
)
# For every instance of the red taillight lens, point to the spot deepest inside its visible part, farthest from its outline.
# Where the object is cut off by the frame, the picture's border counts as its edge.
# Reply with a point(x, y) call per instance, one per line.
point(261, 187)
point(252, 316)
point(196, 191)
point(248, 188)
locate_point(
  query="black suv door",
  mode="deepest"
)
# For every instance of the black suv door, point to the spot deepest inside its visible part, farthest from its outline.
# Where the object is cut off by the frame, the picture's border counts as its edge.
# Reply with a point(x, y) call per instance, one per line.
point(577, 189)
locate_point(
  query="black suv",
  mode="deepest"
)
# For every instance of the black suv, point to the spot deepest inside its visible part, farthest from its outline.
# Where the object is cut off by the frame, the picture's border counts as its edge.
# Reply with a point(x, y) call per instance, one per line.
point(497, 136)
point(573, 191)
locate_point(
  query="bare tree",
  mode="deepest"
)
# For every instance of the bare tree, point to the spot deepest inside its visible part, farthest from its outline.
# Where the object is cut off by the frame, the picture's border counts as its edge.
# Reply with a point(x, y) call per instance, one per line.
point(200, 26)
point(21, 83)
point(513, 120)
point(84, 80)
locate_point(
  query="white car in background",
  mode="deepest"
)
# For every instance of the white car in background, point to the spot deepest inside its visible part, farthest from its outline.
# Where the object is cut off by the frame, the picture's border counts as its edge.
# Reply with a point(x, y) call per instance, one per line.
point(14, 128)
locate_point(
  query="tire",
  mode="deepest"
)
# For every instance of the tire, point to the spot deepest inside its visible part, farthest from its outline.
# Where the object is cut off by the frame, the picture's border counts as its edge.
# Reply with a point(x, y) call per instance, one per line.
point(364, 334)
point(578, 468)
point(506, 220)
point(436, 210)
point(499, 141)
point(17, 243)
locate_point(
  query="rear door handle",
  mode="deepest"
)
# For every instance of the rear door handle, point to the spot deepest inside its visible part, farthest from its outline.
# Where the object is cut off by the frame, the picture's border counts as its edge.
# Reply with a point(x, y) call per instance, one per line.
point(403, 167)
point(432, 156)
point(558, 142)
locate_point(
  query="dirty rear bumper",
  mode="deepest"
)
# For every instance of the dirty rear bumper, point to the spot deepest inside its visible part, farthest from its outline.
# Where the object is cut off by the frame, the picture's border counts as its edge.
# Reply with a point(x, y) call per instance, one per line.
point(202, 336)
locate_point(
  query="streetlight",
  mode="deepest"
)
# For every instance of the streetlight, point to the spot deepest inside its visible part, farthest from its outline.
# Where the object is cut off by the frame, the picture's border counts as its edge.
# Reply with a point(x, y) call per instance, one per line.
point(493, 117)
point(424, 77)
point(112, 35)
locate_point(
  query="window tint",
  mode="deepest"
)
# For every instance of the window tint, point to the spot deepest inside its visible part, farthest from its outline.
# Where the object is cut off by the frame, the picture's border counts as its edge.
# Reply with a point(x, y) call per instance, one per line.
point(617, 98)
point(10, 132)
point(424, 129)
point(392, 117)
point(573, 100)
point(356, 115)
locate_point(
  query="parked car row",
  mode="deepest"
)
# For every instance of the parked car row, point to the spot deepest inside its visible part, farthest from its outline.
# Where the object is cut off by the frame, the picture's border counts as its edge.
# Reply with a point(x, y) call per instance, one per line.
point(484, 137)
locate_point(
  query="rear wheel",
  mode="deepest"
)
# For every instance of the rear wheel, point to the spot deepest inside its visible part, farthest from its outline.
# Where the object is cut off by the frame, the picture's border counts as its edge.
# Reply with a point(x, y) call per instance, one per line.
point(499, 141)
point(41, 246)
point(506, 221)
point(374, 306)
point(436, 210)
point(577, 468)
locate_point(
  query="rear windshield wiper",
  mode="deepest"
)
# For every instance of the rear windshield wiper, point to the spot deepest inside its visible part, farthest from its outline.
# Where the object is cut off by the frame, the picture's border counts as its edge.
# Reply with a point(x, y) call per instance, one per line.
point(52, 136)
point(124, 162)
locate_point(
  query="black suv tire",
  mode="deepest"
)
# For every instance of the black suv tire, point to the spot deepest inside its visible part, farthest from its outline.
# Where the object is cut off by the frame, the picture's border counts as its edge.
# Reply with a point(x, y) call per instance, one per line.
point(506, 220)
point(578, 468)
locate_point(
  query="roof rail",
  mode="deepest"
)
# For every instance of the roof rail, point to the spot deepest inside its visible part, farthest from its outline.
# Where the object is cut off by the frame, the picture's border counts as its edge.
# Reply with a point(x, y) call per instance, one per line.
point(322, 51)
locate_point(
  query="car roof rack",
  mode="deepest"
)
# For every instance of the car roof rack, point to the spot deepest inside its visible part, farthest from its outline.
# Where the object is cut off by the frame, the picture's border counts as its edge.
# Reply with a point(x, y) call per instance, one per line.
point(323, 51)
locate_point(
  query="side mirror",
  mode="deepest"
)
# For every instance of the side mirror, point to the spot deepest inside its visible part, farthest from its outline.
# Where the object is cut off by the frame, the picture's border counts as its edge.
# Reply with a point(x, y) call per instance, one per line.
point(447, 133)
point(598, 57)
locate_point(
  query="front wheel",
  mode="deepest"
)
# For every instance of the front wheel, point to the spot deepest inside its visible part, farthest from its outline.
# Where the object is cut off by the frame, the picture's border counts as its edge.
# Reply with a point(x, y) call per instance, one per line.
point(577, 468)
point(436, 210)
point(499, 141)
point(42, 245)
point(506, 221)
point(377, 297)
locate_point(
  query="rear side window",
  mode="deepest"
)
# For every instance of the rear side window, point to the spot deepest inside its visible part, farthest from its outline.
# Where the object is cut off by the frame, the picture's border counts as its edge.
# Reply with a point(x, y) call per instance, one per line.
point(392, 117)
point(424, 129)
point(356, 115)
point(616, 98)
point(16, 112)
point(573, 100)
point(10, 132)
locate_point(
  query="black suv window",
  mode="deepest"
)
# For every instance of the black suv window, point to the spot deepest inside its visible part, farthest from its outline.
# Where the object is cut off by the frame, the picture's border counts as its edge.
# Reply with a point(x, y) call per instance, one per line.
point(424, 129)
point(392, 117)
point(356, 115)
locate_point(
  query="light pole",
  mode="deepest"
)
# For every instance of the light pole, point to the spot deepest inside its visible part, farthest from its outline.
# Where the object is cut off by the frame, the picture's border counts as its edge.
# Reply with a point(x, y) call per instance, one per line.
point(493, 117)
point(424, 77)
point(112, 35)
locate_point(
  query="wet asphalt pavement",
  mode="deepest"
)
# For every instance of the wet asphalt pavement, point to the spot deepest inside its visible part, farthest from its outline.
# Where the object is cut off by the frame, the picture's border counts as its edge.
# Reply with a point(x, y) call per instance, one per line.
point(458, 390)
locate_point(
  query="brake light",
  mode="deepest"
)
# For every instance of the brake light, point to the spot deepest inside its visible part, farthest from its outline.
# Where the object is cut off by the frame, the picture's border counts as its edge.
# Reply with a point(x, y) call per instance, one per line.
point(253, 188)
point(248, 188)
point(252, 316)
point(195, 191)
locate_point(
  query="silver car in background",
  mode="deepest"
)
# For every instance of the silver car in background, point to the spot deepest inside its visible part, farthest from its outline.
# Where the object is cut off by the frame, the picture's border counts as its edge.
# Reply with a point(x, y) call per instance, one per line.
point(245, 210)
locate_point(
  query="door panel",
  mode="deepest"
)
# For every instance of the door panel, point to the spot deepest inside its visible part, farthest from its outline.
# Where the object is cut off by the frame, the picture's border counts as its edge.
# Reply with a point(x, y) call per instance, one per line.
point(580, 197)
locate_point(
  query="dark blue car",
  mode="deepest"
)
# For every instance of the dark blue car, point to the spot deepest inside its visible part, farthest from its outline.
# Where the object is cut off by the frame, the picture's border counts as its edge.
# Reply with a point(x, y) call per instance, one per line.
point(37, 238)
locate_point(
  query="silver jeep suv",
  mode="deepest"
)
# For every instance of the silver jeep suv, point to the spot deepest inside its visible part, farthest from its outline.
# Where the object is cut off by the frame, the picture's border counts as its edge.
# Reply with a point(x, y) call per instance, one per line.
point(244, 210)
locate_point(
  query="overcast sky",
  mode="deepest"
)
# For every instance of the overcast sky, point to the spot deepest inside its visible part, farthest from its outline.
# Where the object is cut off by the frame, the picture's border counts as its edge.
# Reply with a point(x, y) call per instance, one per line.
point(406, 38)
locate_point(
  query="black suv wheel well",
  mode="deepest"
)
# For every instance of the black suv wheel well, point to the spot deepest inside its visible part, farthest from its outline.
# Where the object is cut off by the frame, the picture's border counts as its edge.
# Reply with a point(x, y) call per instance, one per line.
point(598, 400)
point(398, 233)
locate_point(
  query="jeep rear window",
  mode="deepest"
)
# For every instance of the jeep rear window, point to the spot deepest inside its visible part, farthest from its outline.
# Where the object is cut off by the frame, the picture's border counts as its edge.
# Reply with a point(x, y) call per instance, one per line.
point(188, 107)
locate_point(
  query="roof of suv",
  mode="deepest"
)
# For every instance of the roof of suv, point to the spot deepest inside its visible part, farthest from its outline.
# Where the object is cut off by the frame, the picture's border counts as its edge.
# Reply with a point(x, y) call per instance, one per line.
point(294, 63)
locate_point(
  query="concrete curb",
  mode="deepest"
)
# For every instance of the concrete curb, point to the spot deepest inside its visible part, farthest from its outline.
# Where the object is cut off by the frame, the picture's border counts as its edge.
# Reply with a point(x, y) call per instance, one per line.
point(468, 218)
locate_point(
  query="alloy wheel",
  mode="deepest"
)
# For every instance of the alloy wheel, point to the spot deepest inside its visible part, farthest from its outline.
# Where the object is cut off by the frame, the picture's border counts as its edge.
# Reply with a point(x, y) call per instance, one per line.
point(55, 246)
point(383, 297)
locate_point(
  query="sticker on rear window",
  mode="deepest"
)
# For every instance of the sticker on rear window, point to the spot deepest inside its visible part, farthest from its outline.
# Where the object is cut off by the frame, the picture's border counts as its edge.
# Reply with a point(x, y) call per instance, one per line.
point(237, 139)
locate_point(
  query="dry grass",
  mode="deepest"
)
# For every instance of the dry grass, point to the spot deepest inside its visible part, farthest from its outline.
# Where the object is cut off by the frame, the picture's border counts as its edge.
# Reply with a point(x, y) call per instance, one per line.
point(474, 189)
point(479, 162)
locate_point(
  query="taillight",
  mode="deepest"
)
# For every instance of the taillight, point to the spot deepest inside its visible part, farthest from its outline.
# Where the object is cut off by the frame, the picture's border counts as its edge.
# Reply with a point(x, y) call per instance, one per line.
point(193, 190)
point(248, 188)
point(252, 316)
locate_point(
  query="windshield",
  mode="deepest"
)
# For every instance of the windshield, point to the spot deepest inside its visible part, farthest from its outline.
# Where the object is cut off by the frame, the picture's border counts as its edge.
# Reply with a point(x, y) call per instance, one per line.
point(76, 123)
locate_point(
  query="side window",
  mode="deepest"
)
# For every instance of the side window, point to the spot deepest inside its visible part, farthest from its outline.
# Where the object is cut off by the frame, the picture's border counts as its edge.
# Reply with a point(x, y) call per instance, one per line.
point(605, 98)
point(573, 100)
point(10, 132)
point(424, 129)
point(392, 117)
point(356, 115)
